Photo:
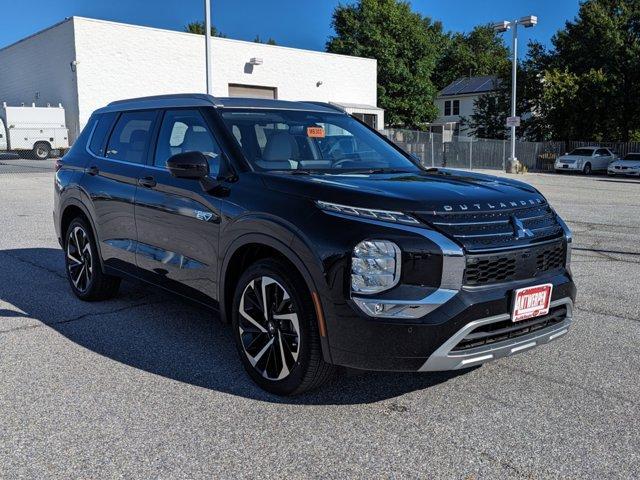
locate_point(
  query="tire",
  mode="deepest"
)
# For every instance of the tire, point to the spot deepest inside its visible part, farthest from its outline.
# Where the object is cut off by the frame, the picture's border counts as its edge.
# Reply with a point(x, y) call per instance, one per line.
point(41, 151)
point(278, 358)
point(587, 169)
point(82, 264)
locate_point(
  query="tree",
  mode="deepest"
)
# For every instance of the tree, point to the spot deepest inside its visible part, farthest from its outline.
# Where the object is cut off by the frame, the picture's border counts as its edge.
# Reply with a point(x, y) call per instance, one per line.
point(269, 41)
point(198, 28)
point(406, 46)
point(480, 52)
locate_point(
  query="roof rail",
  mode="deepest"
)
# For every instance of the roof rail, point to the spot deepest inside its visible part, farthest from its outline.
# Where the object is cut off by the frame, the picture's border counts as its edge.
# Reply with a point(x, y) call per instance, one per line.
point(200, 96)
point(332, 106)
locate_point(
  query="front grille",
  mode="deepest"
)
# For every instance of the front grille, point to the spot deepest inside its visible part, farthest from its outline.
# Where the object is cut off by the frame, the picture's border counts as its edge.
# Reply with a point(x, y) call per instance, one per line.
point(521, 264)
point(506, 330)
point(496, 229)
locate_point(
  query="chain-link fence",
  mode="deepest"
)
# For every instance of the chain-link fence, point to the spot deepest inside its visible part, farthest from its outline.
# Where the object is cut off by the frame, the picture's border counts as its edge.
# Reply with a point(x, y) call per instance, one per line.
point(434, 150)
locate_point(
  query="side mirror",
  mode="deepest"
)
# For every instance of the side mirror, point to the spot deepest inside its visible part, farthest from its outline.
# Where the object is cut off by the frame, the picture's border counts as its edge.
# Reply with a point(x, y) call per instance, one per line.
point(192, 165)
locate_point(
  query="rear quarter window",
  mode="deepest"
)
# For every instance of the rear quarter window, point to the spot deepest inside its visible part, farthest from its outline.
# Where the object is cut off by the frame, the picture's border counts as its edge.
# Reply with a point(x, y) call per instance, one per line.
point(99, 138)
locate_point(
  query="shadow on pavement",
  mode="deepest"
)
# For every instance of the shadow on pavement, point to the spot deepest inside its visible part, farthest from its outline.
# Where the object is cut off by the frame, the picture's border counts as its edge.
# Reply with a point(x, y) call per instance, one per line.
point(165, 335)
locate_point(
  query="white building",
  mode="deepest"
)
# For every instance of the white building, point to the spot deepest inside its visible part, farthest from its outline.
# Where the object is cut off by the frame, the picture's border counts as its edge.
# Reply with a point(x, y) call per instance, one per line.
point(456, 101)
point(85, 63)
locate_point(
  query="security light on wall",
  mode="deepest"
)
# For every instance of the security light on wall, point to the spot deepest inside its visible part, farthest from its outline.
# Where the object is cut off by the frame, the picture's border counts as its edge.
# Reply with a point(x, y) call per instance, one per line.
point(256, 61)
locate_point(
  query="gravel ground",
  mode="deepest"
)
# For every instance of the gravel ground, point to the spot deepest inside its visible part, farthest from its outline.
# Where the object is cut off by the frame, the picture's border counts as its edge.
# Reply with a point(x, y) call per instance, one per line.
point(149, 386)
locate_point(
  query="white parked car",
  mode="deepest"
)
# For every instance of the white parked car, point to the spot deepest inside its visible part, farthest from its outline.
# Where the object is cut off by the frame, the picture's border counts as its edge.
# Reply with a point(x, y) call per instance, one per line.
point(629, 165)
point(585, 160)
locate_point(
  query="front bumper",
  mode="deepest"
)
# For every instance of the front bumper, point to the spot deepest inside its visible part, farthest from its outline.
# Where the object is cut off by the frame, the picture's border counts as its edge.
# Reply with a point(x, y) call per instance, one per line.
point(425, 344)
point(628, 172)
point(446, 358)
point(568, 167)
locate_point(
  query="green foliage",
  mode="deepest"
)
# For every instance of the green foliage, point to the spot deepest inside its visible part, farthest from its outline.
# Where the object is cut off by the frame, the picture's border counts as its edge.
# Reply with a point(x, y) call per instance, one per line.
point(480, 52)
point(269, 41)
point(198, 28)
point(407, 47)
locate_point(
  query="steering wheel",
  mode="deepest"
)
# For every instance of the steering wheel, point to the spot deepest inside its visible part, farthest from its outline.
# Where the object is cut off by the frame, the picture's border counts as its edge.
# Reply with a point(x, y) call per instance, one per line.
point(339, 163)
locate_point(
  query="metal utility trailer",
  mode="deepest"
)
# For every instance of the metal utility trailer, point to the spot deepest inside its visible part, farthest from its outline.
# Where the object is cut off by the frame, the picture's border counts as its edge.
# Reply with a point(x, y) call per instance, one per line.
point(36, 130)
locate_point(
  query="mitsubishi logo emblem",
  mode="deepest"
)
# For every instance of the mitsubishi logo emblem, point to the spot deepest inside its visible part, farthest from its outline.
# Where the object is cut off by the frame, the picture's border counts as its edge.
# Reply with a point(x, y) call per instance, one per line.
point(519, 230)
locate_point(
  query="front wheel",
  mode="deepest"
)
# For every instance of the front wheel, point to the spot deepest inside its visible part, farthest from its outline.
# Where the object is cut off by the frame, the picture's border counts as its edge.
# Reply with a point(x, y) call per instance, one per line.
point(587, 169)
point(275, 329)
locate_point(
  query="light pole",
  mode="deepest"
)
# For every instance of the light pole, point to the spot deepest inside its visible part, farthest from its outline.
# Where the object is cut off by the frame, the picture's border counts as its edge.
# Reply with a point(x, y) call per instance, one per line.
point(207, 43)
point(513, 121)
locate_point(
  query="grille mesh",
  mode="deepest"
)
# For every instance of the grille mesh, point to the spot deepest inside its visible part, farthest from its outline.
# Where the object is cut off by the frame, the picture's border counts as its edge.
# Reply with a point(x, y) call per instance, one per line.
point(486, 269)
point(506, 329)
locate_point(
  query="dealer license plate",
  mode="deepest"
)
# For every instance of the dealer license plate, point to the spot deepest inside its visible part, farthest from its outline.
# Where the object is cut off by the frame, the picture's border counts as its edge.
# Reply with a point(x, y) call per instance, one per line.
point(531, 302)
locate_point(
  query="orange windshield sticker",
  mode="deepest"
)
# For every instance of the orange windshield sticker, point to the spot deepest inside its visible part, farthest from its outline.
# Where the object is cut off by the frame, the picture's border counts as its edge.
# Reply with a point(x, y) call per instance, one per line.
point(315, 132)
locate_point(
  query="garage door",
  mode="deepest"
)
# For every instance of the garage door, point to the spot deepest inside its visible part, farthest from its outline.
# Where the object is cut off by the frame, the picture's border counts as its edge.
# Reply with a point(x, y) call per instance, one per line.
point(252, 91)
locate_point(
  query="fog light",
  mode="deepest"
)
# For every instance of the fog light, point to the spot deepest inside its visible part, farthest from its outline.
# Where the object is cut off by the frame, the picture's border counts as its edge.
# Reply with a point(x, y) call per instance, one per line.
point(375, 266)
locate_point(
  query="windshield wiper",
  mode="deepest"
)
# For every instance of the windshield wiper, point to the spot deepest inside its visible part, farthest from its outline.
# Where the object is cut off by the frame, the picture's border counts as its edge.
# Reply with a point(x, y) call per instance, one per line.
point(293, 171)
point(373, 171)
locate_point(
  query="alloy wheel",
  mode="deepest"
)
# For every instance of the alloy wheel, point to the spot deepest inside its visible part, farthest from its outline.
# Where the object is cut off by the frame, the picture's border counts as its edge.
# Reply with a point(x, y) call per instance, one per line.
point(269, 328)
point(79, 259)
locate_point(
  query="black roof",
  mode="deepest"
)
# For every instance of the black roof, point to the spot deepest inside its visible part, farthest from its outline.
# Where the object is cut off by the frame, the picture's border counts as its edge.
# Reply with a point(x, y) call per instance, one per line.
point(201, 99)
point(471, 85)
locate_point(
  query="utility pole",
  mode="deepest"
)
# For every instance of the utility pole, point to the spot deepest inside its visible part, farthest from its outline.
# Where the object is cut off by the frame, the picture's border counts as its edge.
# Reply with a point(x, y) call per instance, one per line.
point(514, 121)
point(207, 44)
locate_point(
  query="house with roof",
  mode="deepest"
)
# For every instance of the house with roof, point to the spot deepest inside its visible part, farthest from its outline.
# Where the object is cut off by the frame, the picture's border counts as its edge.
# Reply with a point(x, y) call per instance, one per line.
point(456, 101)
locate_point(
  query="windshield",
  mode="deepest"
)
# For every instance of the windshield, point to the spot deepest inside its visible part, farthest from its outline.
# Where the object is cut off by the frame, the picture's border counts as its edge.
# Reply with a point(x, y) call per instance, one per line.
point(582, 152)
point(312, 141)
point(632, 156)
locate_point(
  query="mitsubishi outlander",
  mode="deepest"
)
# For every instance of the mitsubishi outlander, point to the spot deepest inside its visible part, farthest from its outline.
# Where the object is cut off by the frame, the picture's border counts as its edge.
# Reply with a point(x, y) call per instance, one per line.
point(318, 240)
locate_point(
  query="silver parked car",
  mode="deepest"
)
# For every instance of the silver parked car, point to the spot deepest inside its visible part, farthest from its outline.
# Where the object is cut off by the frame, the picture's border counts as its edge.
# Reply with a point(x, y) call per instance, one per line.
point(629, 165)
point(585, 160)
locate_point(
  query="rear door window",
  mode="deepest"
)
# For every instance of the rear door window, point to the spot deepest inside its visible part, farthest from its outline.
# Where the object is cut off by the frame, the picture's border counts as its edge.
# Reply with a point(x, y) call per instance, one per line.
point(130, 138)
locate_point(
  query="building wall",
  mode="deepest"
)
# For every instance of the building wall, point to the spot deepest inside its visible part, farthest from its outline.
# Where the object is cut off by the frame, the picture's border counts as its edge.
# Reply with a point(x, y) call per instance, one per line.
point(121, 61)
point(37, 69)
point(466, 108)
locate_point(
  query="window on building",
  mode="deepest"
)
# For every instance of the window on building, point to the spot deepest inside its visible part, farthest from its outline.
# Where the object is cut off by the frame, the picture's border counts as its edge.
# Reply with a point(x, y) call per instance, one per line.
point(447, 108)
point(368, 118)
point(456, 107)
point(130, 138)
point(186, 131)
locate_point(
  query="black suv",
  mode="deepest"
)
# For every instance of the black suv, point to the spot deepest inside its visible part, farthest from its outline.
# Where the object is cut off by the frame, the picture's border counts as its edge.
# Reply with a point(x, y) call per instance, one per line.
point(319, 240)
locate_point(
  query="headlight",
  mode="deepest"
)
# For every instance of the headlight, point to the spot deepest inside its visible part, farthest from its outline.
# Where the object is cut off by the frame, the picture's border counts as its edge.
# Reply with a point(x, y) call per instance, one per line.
point(384, 215)
point(375, 266)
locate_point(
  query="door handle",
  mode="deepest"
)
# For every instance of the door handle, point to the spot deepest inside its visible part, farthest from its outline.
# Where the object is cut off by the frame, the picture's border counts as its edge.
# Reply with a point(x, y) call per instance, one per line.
point(148, 182)
point(93, 170)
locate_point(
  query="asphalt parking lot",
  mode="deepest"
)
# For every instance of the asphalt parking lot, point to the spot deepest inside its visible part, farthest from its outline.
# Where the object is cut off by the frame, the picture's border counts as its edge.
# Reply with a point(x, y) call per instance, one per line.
point(149, 386)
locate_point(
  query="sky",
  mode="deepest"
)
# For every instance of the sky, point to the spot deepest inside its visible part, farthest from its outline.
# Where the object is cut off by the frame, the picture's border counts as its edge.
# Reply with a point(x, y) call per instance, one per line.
point(292, 23)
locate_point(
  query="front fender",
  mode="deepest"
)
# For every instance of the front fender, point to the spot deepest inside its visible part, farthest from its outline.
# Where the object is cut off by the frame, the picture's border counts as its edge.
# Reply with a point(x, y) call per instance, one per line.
point(287, 240)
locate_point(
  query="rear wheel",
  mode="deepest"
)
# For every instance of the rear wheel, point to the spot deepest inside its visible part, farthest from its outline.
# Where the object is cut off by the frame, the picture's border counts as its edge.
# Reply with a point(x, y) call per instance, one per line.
point(587, 169)
point(41, 151)
point(276, 332)
point(84, 272)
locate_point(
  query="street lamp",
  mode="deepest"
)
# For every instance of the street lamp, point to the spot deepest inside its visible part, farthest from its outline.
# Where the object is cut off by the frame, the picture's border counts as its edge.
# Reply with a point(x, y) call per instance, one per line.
point(207, 43)
point(514, 121)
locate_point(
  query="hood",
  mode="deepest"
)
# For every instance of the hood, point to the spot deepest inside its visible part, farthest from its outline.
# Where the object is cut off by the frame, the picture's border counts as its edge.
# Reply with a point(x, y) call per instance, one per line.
point(441, 190)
